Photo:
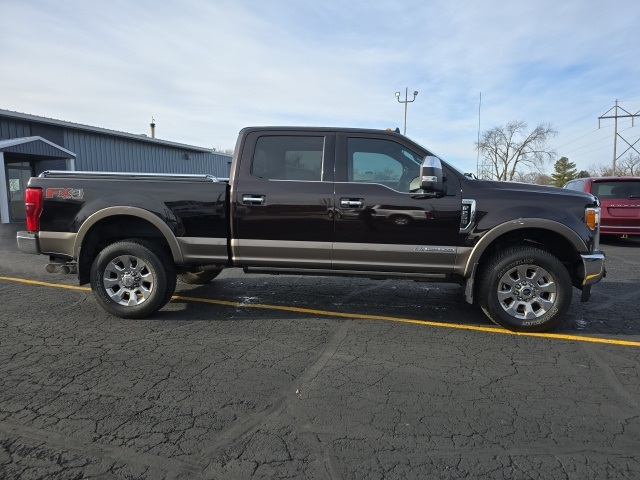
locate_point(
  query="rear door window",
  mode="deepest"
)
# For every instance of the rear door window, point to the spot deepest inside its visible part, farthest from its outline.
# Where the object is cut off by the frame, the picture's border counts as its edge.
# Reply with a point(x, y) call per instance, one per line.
point(288, 158)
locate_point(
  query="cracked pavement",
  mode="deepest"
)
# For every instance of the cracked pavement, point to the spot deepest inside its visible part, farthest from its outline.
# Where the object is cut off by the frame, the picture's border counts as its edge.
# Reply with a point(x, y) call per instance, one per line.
point(210, 391)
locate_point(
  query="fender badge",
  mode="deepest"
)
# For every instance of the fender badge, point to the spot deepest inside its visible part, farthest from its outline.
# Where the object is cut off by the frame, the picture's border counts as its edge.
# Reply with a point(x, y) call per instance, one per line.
point(65, 193)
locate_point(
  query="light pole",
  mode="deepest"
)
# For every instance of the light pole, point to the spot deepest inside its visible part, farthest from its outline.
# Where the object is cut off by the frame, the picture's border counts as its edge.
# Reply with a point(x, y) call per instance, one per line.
point(406, 101)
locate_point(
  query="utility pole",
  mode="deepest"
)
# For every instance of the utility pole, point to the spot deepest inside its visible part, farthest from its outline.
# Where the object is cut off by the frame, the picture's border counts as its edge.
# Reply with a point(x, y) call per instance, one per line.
point(615, 116)
point(406, 101)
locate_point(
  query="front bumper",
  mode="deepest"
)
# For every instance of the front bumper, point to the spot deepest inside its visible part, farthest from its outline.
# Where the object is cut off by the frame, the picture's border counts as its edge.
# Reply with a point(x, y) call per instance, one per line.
point(593, 264)
point(28, 243)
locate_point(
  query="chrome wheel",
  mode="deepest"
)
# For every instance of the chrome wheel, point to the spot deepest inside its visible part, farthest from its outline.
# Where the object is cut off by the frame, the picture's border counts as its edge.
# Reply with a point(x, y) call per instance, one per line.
point(524, 288)
point(133, 278)
point(401, 220)
point(128, 280)
point(527, 292)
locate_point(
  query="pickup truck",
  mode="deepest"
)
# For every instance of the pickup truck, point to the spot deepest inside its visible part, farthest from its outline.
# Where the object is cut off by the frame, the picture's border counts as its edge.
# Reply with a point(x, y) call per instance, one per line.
point(320, 201)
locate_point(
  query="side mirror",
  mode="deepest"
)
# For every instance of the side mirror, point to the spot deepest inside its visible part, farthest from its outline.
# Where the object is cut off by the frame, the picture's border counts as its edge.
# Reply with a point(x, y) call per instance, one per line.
point(431, 175)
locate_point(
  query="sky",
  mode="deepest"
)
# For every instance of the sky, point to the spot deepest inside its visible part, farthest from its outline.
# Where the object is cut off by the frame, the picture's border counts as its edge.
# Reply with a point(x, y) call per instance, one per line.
point(204, 69)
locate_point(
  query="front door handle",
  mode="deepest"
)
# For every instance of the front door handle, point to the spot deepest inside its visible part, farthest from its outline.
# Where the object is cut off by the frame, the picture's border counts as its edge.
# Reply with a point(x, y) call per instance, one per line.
point(254, 199)
point(351, 202)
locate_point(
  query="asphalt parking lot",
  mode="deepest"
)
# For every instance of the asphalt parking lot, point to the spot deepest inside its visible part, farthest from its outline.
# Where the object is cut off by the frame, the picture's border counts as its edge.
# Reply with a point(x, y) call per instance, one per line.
point(284, 377)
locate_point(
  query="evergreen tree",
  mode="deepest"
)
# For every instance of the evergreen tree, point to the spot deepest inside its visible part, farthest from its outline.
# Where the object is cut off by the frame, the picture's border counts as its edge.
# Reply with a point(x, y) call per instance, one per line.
point(564, 170)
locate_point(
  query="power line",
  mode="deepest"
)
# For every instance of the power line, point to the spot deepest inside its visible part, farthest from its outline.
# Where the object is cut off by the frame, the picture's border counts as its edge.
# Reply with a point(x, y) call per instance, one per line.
point(589, 152)
point(578, 155)
point(576, 139)
point(592, 143)
point(586, 134)
point(585, 146)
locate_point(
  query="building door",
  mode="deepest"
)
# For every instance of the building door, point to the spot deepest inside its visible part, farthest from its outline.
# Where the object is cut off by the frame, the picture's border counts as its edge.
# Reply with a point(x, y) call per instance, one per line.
point(18, 175)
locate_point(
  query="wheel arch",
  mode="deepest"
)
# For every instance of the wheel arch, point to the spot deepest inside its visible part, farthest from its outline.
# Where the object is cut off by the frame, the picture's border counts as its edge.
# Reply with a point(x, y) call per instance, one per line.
point(113, 224)
point(558, 239)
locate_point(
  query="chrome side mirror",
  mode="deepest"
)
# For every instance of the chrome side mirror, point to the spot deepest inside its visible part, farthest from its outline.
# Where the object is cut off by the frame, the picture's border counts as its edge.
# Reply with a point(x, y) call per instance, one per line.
point(431, 175)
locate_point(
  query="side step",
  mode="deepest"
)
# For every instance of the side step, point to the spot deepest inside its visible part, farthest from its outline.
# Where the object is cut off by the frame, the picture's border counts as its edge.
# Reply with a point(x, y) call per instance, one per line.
point(374, 275)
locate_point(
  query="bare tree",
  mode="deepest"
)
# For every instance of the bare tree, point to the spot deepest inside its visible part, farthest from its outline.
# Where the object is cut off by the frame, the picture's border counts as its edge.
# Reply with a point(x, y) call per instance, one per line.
point(508, 148)
point(228, 151)
point(626, 167)
point(601, 170)
point(629, 166)
point(533, 177)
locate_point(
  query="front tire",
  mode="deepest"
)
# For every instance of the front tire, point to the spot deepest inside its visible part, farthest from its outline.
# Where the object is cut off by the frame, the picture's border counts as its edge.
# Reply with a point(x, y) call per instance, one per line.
point(133, 279)
point(525, 289)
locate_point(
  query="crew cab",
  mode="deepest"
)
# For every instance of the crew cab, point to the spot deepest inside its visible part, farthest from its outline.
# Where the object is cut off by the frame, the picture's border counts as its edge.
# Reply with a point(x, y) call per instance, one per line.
point(321, 201)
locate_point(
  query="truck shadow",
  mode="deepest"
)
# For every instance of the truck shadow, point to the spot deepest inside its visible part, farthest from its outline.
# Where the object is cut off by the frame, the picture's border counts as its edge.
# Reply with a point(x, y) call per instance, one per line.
point(609, 312)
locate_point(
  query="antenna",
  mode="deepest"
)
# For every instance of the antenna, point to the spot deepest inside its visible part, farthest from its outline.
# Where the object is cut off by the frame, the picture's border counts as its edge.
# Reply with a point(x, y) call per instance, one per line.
point(478, 174)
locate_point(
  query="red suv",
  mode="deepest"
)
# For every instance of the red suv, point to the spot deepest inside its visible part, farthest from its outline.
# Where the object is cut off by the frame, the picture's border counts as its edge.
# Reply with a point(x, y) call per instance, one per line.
point(619, 202)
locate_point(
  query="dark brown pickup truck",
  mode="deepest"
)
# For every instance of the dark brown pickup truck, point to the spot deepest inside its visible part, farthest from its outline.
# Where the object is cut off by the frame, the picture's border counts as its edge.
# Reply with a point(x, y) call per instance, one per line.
point(321, 201)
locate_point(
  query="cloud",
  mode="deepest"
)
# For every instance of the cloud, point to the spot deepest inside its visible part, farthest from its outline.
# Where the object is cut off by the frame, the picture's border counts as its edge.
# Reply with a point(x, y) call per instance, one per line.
point(206, 69)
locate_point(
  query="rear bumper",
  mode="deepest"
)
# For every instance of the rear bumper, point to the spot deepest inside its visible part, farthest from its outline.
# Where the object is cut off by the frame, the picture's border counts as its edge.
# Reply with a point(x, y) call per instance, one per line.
point(28, 243)
point(593, 264)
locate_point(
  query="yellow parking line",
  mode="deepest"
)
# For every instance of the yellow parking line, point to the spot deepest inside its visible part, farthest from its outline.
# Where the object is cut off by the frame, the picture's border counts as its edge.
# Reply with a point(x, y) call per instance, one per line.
point(44, 284)
point(495, 329)
point(311, 311)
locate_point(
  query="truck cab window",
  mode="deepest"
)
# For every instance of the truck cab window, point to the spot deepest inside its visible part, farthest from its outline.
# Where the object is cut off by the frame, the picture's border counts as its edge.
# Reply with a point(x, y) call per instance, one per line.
point(280, 157)
point(381, 161)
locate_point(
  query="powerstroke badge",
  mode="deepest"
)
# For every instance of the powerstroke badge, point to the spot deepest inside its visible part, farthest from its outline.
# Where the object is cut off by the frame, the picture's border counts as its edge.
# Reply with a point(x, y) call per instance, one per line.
point(435, 249)
point(65, 193)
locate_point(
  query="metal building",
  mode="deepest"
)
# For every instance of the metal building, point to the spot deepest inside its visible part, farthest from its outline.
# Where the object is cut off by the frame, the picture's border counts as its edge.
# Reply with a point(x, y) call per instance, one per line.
point(29, 145)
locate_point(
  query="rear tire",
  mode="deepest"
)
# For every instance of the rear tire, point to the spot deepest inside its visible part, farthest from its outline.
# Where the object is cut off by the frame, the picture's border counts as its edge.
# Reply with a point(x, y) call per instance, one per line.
point(525, 289)
point(133, 279)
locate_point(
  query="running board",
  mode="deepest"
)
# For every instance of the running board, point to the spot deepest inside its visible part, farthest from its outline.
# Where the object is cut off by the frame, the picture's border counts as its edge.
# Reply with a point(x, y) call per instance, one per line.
point(321, 272)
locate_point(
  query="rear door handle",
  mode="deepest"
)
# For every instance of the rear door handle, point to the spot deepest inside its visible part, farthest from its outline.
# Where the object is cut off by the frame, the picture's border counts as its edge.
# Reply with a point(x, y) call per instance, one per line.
point(254, 199)
point(351, 202)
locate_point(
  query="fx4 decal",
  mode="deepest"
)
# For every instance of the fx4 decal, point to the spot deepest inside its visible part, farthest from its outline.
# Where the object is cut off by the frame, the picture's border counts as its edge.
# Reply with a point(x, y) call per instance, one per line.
point(65, 193)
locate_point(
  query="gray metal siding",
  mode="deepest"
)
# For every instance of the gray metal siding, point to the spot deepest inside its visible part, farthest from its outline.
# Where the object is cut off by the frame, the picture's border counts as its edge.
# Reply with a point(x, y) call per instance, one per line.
point(42, 165)
point(10, 128)
point(104, 152)
point(96, 152)
point(52, 133)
